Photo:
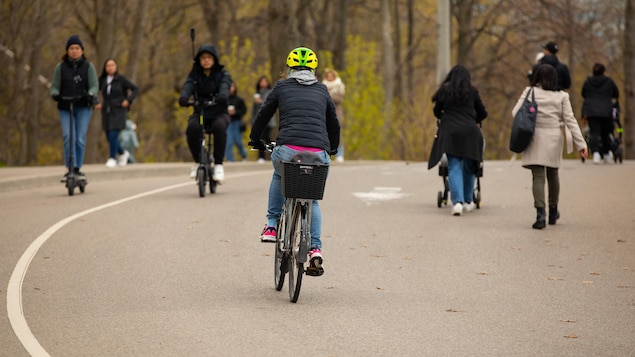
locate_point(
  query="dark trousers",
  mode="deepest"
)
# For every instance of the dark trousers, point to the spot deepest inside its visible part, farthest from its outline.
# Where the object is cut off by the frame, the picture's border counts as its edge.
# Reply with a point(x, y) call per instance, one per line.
point(600, 130)
point(217, 126)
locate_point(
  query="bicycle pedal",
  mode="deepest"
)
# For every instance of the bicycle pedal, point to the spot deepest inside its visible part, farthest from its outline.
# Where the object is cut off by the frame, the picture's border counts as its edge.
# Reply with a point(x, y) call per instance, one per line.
point(314, 271)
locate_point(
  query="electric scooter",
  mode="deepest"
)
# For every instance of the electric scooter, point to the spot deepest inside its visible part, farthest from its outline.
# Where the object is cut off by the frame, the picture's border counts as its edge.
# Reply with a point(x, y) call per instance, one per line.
point(72, 180)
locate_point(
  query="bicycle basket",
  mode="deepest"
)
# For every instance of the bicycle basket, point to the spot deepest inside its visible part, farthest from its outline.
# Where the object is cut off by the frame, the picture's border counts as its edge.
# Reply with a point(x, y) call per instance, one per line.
point(303, 180)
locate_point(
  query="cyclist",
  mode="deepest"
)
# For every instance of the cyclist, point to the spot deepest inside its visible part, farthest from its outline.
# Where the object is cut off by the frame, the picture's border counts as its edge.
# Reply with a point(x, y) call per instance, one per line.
point(208, 81)
point(308, 122)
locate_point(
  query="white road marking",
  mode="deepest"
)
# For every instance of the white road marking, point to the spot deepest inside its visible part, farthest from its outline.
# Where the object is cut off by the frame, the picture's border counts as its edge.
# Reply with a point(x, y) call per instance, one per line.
point(15, 311)
point(379, 194)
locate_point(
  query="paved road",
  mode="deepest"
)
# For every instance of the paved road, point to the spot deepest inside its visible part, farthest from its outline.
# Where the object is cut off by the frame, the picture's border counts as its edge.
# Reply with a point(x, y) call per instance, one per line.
point(171, 274)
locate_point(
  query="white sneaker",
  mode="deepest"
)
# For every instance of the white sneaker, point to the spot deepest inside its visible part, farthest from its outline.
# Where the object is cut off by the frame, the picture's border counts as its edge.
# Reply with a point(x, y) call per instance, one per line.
point(457, 210)
point(111, 163)
point(123, 158)
point(608, 157)
point(261, 160)
point(469, 207)
point(596, 157)
point(193, 171)
point(219, 173)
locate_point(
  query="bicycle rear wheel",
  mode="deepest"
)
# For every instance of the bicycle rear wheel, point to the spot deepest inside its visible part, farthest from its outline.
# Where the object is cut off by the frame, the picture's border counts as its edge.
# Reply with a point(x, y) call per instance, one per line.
point(296, 269)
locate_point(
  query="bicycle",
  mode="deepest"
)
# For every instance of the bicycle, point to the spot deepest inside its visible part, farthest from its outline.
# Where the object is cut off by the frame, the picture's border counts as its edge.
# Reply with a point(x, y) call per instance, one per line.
point(206, 159)
point(70, 180)
point(303, 181)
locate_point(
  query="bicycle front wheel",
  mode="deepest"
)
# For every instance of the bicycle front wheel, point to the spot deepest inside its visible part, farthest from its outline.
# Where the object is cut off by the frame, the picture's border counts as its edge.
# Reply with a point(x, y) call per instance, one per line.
point(296, 269)
point(201, 178)
point(280, 260)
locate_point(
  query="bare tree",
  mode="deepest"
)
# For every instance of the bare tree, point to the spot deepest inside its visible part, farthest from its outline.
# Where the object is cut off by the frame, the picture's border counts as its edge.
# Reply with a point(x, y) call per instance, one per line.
point(388, 60)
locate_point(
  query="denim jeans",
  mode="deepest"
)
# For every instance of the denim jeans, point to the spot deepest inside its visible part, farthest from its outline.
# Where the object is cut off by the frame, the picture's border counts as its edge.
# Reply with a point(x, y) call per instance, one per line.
point(81, 121)
point(234, 137)
point(276, 200)
point(113, 143)
point(461, 175)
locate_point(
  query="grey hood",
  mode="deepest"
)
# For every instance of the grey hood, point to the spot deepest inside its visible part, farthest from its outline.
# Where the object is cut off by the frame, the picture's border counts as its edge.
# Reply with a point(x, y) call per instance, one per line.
point(304, 77)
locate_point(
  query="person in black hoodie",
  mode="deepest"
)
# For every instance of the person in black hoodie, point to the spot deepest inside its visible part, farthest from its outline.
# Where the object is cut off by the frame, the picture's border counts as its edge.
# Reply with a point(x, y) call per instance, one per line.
point(117, 93)
point(207, 81)
point(600, 96)
point(564, 76)
point(308, 122)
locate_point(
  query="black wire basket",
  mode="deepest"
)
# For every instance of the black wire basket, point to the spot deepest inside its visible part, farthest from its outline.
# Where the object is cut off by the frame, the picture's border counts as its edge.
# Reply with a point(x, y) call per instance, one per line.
point(301, 180)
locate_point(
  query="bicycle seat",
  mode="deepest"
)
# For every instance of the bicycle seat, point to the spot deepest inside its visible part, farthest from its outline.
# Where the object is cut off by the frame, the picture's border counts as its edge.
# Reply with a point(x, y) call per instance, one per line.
point(307, 157)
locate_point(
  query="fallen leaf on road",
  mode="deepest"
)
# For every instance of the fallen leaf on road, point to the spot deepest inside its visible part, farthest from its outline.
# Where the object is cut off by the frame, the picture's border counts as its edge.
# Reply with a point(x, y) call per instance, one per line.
point(482, 273)
point(378, 288)
point(454, 310)
point(553, 278)
point(569, 321)
point(570, 336)
point(621, 241)
point(329, 287)
point(625, 286)
point(377, 255)
point(594, 273)
point(587, 282)
point(266, 254)
point(407, 258)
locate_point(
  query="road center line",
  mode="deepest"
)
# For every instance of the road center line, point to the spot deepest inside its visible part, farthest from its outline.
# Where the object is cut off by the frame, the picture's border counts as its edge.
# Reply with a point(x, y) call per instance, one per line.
point(15, 311)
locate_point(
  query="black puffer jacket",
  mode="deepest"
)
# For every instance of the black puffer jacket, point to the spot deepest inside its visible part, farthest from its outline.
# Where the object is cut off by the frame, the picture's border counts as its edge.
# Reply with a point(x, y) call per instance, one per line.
point(113, 115)
point(307, 113)
point(206, 87)
point(598, 92)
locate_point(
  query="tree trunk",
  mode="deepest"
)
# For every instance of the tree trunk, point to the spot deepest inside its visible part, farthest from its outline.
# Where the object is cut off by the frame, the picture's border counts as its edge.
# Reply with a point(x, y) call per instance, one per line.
point(283, 30)
point(212, 14)
point(629, 76)
point(389, 63)
point(137, 39)
point(340, 43)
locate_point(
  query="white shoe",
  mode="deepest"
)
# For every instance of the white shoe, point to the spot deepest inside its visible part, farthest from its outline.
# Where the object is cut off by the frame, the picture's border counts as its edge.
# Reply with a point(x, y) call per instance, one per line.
point(261, 160)
point(193, 171)
point(596, 157)
point(219, 173)
point(469, 207)
point(457, 210)
point(111, 163)
point(123, 158)
point(608, 157)
point(339, 159)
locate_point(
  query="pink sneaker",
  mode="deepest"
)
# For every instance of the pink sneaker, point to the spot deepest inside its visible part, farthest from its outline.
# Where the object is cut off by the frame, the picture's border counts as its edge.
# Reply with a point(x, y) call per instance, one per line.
point(268, 235)
point(315, 263)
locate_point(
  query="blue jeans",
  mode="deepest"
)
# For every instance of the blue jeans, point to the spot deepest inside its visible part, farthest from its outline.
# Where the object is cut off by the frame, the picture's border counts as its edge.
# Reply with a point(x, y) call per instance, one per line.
point(234, 137)
point(113, 143)
point(81, 120)
point(461, 175)
point(276, 199)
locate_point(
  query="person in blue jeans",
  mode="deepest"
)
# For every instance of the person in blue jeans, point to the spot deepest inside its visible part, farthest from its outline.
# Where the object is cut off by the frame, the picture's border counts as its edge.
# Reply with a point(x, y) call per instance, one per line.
point(236, 108)
point(460, 110)
point(308, 122)
point(75, 76)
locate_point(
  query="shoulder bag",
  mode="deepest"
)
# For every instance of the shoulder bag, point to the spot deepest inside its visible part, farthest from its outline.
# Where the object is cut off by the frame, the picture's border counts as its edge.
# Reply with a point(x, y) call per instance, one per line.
point(524, 124)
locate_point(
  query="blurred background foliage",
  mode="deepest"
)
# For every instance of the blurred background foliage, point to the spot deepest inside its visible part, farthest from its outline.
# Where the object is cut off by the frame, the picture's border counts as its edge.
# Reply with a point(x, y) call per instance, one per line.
point(385, 51)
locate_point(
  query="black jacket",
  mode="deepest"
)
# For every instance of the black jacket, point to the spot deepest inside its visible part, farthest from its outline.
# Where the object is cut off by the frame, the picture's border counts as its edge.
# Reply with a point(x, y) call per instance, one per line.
point(113, 115)
point(207, 87)
point(598, 93)
point(564, 77)
point(458, 133)
point(307, 115)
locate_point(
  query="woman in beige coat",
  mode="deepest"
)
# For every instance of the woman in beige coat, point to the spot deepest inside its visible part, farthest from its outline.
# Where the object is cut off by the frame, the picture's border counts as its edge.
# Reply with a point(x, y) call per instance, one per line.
point(544, 153)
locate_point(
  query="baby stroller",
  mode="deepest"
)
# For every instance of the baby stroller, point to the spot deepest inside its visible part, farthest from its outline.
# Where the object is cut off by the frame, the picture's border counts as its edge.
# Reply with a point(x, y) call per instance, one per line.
point(442, 196)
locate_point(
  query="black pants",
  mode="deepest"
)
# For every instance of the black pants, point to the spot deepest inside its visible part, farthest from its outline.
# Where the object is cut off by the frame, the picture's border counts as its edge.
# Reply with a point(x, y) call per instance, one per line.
point(216, 126)
point(600, 130)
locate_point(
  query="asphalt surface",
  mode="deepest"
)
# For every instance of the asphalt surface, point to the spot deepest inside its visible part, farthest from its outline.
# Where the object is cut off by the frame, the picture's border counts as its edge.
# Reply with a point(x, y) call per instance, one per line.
point(139, 265)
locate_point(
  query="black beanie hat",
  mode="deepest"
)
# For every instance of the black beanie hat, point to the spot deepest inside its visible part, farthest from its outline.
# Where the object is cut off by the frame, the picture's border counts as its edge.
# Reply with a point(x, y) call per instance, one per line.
point(74, 40)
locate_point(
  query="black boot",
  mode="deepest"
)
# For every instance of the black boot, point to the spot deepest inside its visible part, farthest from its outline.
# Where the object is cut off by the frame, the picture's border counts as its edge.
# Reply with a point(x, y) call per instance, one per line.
point(554, 214)
point(541, 219)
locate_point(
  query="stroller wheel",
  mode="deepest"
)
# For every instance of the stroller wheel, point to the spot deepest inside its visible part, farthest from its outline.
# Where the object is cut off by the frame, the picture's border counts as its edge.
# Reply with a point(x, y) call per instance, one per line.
point(477, 199)
point(439, 199)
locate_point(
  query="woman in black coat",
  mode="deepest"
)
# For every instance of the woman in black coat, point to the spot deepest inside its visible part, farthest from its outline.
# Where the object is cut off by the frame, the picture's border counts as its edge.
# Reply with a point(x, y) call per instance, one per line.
point(459, 109)
point(118, 93)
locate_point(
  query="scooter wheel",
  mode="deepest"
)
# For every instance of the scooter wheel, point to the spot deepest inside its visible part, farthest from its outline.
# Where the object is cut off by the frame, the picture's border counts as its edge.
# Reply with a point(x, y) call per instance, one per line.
point(70, 185)
point(82, 186)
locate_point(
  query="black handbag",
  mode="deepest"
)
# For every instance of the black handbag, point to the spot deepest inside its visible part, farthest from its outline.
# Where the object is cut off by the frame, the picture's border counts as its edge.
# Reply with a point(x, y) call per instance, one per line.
point(524, 124)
